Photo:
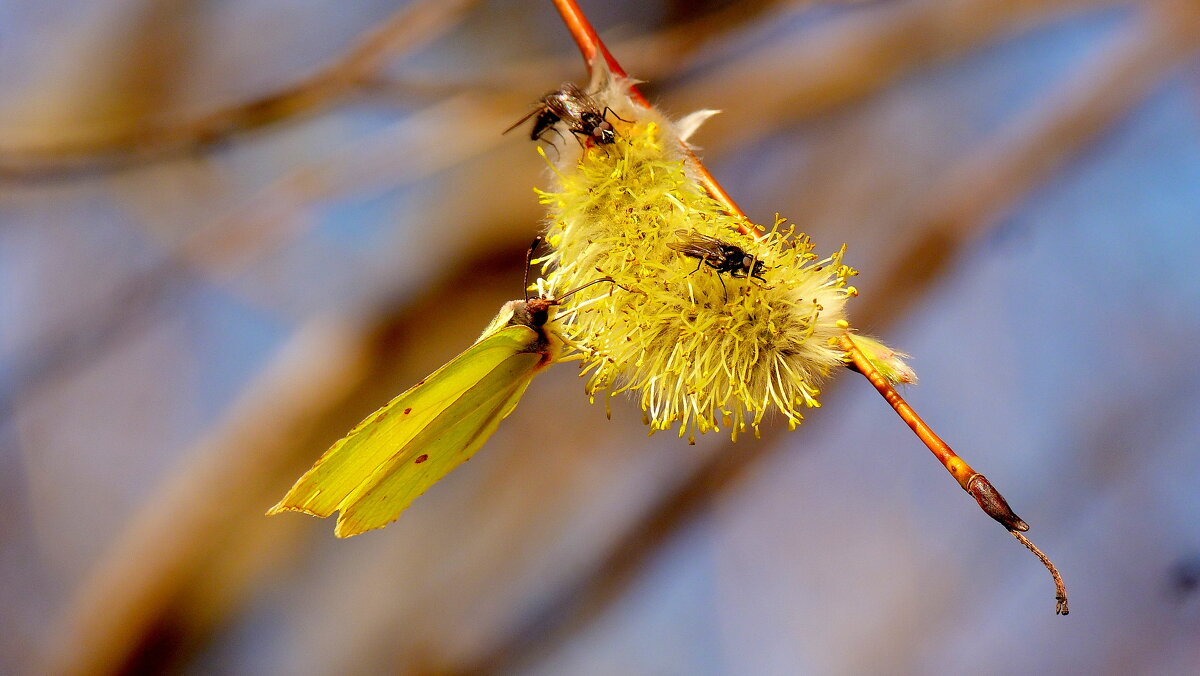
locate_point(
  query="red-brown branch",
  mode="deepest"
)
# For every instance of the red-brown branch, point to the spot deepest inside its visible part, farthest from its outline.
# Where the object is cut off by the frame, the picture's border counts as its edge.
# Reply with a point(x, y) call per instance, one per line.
point(590, 45)
point(976, 484)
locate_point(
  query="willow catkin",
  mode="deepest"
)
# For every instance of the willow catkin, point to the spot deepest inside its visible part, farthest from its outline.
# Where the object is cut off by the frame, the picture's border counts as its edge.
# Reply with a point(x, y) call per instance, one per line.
point(698, 347)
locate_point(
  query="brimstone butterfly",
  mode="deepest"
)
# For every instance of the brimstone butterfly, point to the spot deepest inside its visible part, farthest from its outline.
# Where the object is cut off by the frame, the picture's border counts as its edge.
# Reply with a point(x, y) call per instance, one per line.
point(373, 473)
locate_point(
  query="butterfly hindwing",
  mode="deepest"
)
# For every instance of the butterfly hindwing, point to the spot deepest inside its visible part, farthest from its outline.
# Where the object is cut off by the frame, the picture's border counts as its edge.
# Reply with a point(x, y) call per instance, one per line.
point(372, 472)
point(454, 437)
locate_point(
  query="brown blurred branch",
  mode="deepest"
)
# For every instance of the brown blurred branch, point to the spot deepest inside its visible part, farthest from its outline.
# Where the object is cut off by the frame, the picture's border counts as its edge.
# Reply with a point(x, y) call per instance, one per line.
point(332, 372)
point(850, 58)
point(408, 151)
point(992, 180)
point(1035, 146)
point(168, 539)
point(406, 30)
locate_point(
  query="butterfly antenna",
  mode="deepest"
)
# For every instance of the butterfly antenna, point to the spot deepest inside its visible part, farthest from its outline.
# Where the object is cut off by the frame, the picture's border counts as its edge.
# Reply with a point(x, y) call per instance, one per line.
point(529, 261)
point(581, 288)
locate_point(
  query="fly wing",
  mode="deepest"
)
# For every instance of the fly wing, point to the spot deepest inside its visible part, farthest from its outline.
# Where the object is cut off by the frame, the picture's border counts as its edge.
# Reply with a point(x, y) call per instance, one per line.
point(698, 249)
point(576, 101)
point(689, 249)
point(707, 240)
point(389, 441)
point(572, 90)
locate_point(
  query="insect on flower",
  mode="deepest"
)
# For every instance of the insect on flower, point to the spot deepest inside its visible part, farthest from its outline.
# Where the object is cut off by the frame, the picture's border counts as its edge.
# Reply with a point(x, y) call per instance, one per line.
point(718, 255)
point(574, 107)
point(389, 459)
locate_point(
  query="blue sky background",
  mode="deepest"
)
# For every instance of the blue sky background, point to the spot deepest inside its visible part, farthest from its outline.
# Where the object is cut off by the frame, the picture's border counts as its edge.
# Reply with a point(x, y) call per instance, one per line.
point(143, 311)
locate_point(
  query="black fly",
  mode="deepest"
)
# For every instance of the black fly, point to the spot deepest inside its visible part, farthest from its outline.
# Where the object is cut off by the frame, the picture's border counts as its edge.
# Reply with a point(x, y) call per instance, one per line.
point(575, 108)
point(718, 255)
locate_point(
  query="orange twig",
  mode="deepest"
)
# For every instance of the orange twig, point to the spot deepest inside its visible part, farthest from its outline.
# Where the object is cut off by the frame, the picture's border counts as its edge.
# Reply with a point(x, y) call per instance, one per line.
point(976, 484)
point(971, 481)
point(590, 45)
point(718, 193)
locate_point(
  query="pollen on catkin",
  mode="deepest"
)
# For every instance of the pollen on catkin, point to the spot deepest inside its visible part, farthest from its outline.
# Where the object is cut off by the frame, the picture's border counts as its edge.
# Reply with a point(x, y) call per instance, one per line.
point(698, 347)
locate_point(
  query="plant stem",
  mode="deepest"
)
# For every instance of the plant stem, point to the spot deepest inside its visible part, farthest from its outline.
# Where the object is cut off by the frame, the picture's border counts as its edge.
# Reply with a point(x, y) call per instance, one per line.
point(989, 499)
point(590, 45)
point(976, 484)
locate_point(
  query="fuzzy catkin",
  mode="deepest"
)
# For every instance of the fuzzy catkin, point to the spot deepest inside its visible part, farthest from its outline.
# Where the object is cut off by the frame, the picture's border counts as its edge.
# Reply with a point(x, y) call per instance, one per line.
point(699, 350)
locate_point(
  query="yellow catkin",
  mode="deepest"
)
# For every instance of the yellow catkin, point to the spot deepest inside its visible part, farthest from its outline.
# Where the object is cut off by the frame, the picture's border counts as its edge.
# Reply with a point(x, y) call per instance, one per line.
point(697, 351)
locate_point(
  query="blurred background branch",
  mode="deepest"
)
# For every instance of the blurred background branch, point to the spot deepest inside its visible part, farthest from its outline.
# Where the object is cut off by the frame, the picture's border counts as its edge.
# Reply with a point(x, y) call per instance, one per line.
point(407, 30)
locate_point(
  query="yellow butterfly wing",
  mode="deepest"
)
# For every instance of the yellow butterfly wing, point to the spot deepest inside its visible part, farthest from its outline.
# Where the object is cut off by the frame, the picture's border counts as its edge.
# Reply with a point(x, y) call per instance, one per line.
point(399, 451)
